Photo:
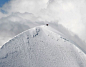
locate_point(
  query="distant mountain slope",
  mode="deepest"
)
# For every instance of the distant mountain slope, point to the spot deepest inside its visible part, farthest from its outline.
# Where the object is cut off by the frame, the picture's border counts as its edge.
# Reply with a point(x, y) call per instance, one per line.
point(41, 47)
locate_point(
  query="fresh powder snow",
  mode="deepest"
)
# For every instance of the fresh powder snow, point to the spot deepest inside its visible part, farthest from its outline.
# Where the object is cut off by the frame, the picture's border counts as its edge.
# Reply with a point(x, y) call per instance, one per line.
point(41, 46)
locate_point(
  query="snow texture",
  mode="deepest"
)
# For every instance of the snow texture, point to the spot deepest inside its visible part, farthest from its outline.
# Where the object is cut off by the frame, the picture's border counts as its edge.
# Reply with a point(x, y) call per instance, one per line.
point(41, 46)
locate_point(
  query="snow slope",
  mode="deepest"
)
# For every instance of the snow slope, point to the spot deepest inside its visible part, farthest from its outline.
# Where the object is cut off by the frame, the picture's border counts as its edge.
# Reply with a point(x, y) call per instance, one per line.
point(9, 29)
point(70, 35)
point(41, 47)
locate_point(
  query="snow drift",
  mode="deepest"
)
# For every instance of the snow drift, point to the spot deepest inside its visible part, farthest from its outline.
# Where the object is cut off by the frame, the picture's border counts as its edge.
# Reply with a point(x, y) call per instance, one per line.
point(41, 47)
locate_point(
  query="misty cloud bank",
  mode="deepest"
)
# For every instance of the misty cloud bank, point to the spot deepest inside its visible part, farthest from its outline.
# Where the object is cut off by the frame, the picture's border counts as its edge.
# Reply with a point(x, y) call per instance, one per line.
point(70, 13)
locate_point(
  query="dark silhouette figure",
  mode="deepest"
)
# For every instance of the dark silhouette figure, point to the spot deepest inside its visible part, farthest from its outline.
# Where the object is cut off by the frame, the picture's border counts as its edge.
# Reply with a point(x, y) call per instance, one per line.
point(47, 24)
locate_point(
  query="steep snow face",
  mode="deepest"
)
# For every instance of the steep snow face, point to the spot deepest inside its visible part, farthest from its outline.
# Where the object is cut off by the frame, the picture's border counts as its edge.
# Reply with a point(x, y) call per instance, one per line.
point(41, 47)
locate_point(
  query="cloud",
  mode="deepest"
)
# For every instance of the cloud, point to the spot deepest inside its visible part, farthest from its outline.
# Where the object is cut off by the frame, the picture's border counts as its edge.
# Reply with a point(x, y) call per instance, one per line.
point(70, 13)
point(1, 14)
point(19, 17)
point(31, 6)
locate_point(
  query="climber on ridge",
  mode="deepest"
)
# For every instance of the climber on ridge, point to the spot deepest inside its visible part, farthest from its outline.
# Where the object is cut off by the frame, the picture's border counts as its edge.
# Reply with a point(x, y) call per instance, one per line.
point(47, 24)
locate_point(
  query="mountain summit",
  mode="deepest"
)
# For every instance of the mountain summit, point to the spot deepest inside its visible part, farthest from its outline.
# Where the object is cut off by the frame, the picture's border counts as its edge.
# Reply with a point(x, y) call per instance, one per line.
point(41, 46)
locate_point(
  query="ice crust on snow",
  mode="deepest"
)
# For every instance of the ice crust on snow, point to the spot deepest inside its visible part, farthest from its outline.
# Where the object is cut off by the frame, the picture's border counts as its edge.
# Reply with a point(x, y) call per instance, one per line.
point(41, 47)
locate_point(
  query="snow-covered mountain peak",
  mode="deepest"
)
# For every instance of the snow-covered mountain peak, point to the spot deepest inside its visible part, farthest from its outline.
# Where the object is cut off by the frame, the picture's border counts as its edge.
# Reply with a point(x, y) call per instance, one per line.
point(41, 46)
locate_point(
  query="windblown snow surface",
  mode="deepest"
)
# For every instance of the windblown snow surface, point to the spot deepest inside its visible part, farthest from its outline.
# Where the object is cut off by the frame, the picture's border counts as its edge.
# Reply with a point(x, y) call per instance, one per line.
point(41, 46)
